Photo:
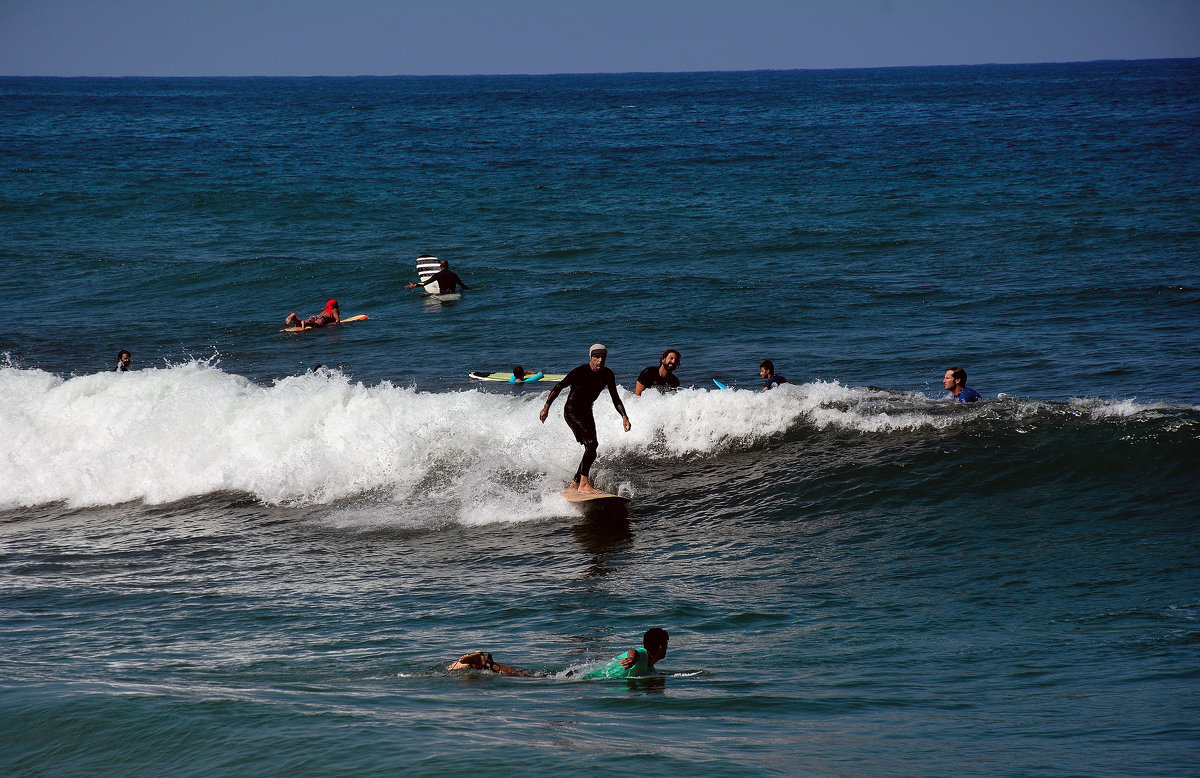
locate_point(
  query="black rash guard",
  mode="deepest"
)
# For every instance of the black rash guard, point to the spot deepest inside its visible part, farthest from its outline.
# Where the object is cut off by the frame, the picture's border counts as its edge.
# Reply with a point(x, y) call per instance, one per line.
point(446, 279)
point(650, 377)
point(586, 385)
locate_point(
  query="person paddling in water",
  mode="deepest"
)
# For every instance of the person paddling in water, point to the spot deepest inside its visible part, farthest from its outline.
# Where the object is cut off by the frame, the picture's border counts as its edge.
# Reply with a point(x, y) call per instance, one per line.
point(331, 315)
point(634, 663)
point(520, 376)
point(586, 382)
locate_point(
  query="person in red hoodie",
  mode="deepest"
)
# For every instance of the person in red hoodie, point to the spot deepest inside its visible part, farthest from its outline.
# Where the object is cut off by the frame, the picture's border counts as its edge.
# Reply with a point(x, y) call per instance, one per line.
point(331, 315)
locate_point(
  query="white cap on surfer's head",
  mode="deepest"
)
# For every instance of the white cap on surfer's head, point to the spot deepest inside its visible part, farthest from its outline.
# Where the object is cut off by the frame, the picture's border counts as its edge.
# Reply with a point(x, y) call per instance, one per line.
point(597, 347)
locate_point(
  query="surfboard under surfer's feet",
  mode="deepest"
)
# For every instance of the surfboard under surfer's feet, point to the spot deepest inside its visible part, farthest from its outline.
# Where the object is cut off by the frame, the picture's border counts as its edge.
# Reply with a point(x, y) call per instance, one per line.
point(583, 487)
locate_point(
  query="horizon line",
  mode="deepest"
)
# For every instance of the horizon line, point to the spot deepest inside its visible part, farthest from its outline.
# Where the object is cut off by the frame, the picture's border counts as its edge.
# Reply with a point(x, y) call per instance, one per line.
point(615, 72)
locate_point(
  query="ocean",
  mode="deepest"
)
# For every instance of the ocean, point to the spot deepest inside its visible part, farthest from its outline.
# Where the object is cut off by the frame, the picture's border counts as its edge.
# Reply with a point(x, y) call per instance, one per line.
point(231, 561)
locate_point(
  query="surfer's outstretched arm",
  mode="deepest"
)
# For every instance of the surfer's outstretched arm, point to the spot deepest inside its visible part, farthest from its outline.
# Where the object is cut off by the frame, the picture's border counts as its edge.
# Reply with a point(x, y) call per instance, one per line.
point(620, 406)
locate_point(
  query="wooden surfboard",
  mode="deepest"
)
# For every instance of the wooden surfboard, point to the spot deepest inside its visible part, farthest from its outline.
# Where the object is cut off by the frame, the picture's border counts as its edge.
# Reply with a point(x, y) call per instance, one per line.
point(600, 498)
point(346, 321)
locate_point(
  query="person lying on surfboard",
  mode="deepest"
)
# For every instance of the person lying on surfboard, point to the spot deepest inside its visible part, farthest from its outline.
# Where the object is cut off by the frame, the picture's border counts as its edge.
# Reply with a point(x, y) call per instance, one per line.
point(446, 280)
point(634, 663)
point(586, 382)
point(331, 315)
point(519, 375)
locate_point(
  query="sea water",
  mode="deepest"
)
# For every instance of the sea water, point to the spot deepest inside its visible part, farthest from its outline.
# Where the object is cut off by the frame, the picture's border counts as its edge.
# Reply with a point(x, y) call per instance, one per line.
point(229, 560)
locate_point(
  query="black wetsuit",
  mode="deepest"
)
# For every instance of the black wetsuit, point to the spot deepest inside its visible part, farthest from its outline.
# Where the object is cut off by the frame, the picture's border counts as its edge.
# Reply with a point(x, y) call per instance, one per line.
point(446, 280)
point(650, 377)
point(586, 385)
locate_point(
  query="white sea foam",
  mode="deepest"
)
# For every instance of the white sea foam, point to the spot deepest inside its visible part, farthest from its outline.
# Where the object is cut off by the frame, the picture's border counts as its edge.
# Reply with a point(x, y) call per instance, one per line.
point(1108, 409)
point(160, 435)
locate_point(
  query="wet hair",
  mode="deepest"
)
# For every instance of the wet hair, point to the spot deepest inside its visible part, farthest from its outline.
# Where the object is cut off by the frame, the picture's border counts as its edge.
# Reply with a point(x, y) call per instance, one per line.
point(769, 365)
point(519, 372)
point(960, 374)
point(123, 353)
point(654, 638)
point(678, 356)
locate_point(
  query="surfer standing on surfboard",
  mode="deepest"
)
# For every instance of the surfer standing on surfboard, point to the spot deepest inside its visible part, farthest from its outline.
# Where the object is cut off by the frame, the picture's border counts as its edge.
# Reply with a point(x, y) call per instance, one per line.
point(586, 382)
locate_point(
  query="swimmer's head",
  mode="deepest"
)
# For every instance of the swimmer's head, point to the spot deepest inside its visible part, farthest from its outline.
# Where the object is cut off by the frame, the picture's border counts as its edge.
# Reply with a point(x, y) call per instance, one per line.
point(955, 376)
point(655, 642)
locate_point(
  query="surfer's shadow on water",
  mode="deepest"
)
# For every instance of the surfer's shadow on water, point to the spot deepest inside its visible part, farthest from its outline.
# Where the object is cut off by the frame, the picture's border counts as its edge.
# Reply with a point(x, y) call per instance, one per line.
point(602, 539)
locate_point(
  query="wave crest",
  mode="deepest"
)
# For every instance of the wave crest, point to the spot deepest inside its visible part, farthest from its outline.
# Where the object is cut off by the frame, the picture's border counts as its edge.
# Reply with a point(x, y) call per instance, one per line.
point(166, 434)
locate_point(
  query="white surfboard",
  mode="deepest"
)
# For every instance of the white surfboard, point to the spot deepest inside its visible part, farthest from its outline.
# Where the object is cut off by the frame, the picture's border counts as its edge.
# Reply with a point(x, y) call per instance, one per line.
point(426, 266)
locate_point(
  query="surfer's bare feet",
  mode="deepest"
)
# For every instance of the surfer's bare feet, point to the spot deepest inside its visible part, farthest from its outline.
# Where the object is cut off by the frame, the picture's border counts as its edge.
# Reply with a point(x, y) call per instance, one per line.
point(583, 487)
point(472, 661)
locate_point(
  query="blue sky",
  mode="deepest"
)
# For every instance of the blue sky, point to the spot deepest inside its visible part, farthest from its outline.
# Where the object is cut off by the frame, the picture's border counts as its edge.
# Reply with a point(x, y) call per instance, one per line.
point(390, 37)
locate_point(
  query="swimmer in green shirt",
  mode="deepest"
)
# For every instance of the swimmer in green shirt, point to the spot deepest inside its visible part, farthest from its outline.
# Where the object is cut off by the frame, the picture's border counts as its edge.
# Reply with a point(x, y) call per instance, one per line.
point(634, 663)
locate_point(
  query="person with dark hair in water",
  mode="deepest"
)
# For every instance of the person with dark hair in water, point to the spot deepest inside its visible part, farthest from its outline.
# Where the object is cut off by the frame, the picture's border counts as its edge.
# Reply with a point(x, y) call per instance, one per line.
point(955, 382)
point(770, 378)
point(519, 375)
point(634, 663)
point(447, 280)
point(331, 315)
point(123, 360)
point(586, 382)
point(661, 375)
